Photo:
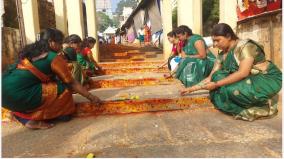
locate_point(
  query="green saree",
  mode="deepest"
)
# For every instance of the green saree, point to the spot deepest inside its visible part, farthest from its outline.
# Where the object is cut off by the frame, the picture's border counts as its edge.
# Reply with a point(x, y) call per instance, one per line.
point(193, 70)
point(85, 63)
point(38, 88)
point(77, 70)
point(250, 98)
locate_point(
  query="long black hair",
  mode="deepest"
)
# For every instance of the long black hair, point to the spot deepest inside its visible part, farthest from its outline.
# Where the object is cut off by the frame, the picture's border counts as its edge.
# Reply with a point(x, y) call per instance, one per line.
point(42, 43)
point(87, 41)
point(223, 29)
point(183, 29)
point(172, 34)
point(73, 38)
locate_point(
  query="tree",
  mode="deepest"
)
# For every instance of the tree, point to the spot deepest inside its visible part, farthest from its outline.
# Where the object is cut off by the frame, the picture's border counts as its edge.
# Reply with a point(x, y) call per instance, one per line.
point(116, 20)
point(103, 21)
point(210, 15)
point(10, 15)
point(125, 3)
point(174, 17)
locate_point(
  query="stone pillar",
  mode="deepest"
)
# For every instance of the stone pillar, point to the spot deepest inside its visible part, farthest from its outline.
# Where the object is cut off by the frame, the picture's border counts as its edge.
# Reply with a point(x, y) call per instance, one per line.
point(167, 26)
point(31, 21)
point(75, 17)
point(228, 13)
point(92, 25)
point(60, 16)
point(190, 14)
point(2, 11)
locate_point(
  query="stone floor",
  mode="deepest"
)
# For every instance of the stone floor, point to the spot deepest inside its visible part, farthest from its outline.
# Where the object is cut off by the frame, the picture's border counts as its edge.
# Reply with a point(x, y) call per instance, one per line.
point(189, 132)
point(181, 133)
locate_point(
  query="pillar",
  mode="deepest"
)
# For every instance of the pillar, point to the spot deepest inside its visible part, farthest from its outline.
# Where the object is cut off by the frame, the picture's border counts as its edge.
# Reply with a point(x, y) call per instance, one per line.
point(228, 13)
point(60, 16)
point(31, 21)
point(92, 25)
point(75, 17)
point(167, 26)
point(190, 14)
point(2, 11)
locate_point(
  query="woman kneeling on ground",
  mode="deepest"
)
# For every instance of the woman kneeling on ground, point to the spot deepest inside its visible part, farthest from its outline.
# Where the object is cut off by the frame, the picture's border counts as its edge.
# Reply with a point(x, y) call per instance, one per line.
point(197, 61)
point(242, 82)
point(36, 89)
point(174, 58)
point(72, 49)
point(86, 59)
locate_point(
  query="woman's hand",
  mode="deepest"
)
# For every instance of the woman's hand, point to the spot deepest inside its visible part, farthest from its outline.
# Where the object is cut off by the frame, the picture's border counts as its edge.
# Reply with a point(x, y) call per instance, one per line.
point(183, 55)
point(206, 80)
point(210, 86)
point(100, 68)
point(95, 100)
point(184, 91)
point(77, 87)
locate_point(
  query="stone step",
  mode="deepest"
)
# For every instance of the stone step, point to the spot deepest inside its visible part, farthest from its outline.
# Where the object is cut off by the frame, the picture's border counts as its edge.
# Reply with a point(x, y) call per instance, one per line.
point(126, 70)
point(114, 53)
point(129, 80)
point(141, 99)
point(136, 58)
point(137, 99)
point(130, 64)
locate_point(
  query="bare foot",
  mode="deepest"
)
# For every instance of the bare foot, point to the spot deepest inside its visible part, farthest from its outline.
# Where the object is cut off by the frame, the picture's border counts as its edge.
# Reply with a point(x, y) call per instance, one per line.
point(32, 124)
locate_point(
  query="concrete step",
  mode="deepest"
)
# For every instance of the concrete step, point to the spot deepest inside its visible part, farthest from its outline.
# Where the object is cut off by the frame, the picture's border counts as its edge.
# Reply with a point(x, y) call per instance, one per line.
point(129, 80)
point(141, 99)
point(130, 64)
point(116, 68)
point(133, 58)
point(137, 99)
point(126, 70)
point(114, 53)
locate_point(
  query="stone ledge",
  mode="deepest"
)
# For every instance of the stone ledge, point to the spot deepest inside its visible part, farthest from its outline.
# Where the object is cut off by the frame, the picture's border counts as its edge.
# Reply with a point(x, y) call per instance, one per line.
point(147, 105)
point(129, 63)
point(149, 99)
point(129, 80)
point(115, 71)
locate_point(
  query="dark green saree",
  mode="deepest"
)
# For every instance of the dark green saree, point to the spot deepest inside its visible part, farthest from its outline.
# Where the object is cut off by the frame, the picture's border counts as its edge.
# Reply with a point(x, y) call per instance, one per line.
point(250, 98)
point(193, 70)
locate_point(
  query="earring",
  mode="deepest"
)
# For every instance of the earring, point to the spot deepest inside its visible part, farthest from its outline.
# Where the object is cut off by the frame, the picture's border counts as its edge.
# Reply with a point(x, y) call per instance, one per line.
point(38, 37)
